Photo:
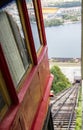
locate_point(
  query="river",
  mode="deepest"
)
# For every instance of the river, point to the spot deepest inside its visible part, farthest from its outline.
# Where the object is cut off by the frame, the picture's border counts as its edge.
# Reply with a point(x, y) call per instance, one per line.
point(64, 41)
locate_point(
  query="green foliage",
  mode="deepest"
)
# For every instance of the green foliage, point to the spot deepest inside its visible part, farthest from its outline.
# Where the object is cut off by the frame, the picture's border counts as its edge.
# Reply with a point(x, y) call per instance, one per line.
point(78, 123)
point(60, 81)
point(53, 22)
point(79, 113)
point(70, 17)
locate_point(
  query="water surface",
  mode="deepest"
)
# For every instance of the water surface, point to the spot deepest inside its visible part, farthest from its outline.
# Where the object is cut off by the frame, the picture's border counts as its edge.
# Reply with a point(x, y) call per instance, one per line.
point(64, 40)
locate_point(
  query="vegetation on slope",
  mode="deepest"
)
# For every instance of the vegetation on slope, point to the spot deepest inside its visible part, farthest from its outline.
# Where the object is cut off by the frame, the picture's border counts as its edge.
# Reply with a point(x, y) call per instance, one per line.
point(79, 112)
point(57, 22)
point(60, 81)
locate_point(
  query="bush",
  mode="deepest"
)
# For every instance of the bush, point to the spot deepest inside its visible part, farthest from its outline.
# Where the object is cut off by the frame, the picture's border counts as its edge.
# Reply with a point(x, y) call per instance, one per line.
point(60, 81)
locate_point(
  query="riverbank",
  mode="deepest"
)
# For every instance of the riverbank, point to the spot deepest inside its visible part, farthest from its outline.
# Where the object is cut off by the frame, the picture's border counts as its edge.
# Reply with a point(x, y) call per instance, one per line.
point(61, 13)
point(58, 22)
point(63, 64)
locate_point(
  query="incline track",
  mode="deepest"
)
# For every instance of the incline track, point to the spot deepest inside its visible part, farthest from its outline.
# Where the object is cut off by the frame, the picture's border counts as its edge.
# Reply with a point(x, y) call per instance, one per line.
point(63, 109)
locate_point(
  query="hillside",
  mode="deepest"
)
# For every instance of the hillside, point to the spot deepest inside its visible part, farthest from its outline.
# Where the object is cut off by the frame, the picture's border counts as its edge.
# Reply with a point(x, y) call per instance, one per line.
point(60, 81)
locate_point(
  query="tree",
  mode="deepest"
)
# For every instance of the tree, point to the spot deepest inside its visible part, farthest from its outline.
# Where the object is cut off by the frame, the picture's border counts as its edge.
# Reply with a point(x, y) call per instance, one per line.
point(60, 81)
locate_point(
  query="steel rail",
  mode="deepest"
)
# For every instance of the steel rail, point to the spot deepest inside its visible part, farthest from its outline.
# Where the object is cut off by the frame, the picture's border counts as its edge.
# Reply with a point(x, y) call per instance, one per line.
point(72, 112)
point(63, 103)
point(54, 115)
point(64, 92)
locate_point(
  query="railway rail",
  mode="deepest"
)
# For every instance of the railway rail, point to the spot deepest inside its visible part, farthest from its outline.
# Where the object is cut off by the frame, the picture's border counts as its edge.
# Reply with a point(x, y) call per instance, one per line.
point(63, 109)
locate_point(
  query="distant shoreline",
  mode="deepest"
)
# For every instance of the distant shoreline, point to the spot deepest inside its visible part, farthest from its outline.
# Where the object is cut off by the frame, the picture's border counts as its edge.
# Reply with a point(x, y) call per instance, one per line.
point(64, 64)
point(59, 24)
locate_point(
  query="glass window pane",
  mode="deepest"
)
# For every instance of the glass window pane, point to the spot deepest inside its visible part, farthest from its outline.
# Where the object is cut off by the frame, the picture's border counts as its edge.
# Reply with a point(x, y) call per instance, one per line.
point(33, 23)
point(13, 42)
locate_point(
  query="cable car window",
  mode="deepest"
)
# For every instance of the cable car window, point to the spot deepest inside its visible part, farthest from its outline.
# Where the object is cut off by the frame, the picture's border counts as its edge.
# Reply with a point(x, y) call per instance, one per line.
point(33, 23)
point(13, 42)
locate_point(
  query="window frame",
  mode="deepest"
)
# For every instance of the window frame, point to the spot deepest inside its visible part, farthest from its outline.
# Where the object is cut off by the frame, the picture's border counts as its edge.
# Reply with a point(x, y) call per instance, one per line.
point(7, 78)
point(40, 23)
point(25, 21)
point(39, 18)
point(40, 26)
point(40, 43)
point(5, 96)
point(40, 14)
point(27, 30)
point(18, 3)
